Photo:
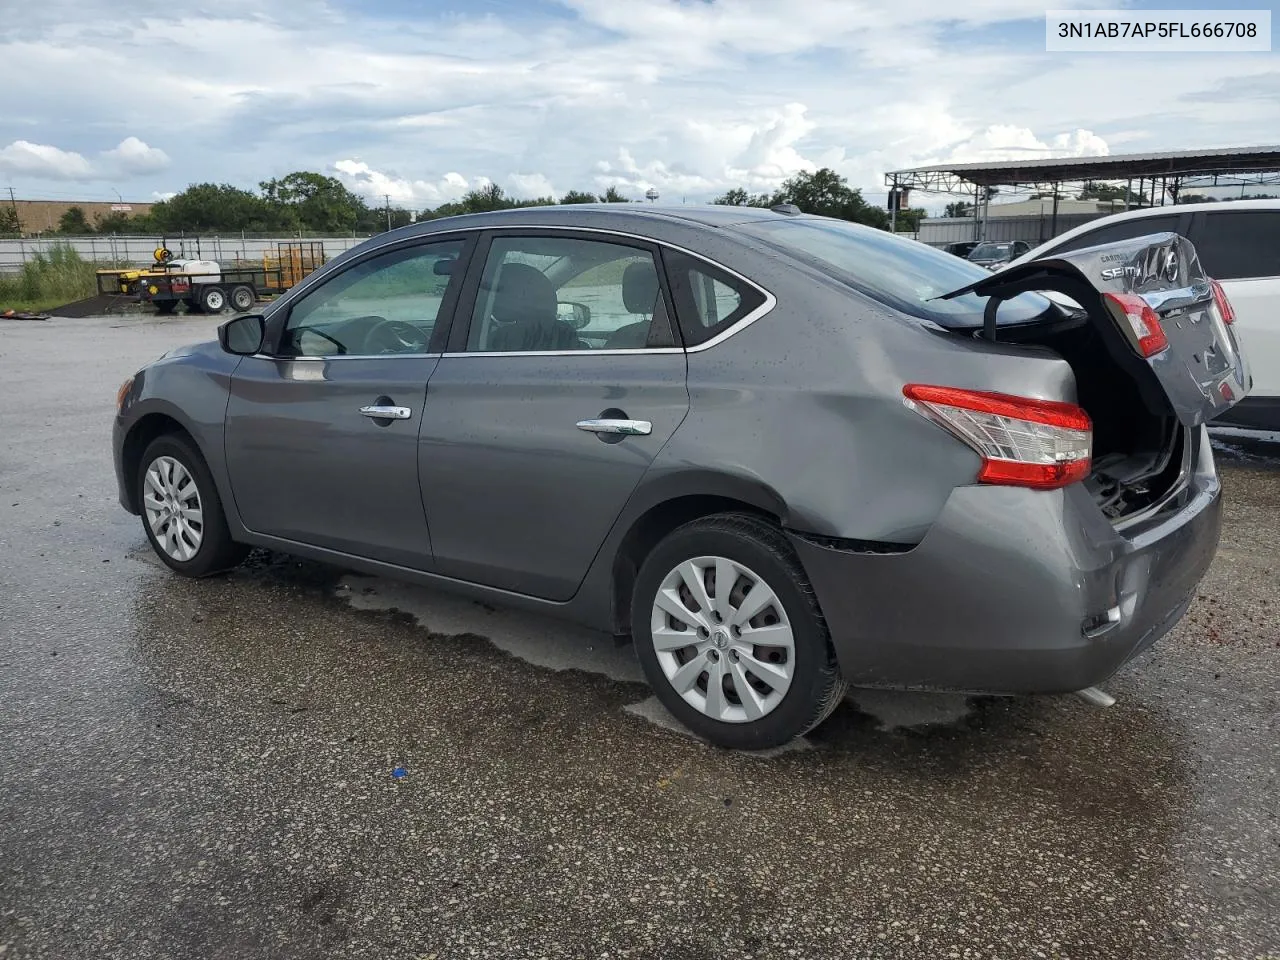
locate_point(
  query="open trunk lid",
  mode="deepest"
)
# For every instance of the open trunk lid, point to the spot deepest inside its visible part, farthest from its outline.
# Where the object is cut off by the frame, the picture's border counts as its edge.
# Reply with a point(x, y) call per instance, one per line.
point(1196, 373)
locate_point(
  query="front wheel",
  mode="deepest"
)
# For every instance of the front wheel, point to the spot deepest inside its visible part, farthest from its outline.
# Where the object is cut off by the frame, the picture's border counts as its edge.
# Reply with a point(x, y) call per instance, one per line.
point(181, 512)
point(730, 635)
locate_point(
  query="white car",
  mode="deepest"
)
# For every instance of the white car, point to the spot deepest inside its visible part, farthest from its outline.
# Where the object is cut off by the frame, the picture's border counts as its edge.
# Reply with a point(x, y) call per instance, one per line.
point(1239, 246)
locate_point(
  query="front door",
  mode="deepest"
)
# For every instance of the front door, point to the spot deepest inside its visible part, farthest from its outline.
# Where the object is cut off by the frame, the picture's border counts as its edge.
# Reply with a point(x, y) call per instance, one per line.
point(549, 407)
point(321, 436)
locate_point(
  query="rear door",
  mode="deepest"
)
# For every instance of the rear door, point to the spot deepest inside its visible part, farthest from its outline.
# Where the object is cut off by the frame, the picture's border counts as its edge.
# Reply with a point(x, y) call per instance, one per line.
point(1241, 249)
point(1200, 370)
point(562, 381)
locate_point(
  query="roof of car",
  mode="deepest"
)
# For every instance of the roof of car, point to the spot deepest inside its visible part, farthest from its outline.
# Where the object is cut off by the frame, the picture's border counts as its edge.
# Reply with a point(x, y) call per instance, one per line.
point(707, 214)
point(1268, 204)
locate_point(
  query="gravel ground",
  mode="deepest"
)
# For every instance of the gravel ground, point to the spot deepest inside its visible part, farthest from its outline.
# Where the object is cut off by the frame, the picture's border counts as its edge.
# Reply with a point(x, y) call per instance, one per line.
point(206, 769)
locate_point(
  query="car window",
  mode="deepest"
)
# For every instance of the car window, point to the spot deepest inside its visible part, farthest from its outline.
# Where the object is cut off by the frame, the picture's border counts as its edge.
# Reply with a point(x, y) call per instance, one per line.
point(1114, 232)
point(901, 273)
point(387, 304)
point(566, 293)
point(708, 300)
point(1239, 244)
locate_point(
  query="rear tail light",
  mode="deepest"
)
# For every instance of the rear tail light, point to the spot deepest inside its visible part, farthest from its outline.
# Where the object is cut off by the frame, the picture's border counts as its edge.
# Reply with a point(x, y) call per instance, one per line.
point(1224, 305)
point(1023, 442)
point(1142, 320)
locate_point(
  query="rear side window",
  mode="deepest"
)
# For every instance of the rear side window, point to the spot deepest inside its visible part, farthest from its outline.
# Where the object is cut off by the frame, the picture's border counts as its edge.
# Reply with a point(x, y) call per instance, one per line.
point(1234, 246)
point(1115, 232)
point(708, 300)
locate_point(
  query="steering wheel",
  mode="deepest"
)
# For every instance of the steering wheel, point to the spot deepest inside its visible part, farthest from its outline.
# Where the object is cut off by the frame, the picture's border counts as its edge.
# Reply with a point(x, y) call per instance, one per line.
point(396, 336)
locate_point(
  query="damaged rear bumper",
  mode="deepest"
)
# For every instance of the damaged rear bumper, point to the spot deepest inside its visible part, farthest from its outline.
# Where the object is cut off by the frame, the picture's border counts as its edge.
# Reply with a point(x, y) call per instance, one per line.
point(1016, 590)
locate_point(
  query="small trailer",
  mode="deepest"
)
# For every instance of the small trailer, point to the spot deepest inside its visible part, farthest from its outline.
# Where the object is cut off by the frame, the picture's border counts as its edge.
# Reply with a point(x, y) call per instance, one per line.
point(207, 286)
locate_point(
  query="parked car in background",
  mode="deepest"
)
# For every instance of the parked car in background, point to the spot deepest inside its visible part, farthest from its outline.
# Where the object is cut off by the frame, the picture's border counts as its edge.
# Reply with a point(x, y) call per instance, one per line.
point(782, 453)
point(961, 249)
point(993, 254)
point(1238, 243)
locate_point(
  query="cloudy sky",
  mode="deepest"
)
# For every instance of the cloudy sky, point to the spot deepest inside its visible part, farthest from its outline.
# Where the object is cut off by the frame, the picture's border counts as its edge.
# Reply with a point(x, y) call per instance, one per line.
point(421, 99)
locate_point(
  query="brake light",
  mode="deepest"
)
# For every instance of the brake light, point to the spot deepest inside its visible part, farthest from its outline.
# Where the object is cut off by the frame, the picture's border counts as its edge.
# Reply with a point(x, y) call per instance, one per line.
point(1224, 305)
point(1143, 321)
point(1043, 444)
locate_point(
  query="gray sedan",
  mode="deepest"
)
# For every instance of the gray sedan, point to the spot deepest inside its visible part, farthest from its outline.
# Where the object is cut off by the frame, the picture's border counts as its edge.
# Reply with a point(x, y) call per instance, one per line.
point(781, 453)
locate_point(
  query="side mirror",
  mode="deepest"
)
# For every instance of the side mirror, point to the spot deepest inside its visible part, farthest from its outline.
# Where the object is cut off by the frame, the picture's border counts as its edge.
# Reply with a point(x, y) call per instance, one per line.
point(578, 315)
point(242, 335)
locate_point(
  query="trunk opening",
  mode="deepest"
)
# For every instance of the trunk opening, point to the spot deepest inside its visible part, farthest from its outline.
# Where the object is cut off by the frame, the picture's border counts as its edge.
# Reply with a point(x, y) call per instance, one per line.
point(1139, 454)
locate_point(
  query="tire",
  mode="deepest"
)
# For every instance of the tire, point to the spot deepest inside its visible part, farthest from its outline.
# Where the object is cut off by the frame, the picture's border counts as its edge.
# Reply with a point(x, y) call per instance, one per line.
point(166, 308)
point(196, 549)
point(243, 298)
point(213, 299)
point(193, 305)
point(806, 683)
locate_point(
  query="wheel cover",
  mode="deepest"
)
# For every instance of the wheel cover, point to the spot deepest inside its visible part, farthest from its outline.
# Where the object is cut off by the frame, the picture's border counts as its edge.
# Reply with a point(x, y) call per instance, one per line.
point(171, 502)
point(242, 298)
point(723, 639)
point(214, 300)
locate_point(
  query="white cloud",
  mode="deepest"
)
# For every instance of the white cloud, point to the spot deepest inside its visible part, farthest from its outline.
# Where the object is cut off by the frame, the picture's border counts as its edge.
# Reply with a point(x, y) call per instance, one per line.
point(376, 185)
point(530, 186)
point(133, 157)
point(42, 161)
point(1004, 142)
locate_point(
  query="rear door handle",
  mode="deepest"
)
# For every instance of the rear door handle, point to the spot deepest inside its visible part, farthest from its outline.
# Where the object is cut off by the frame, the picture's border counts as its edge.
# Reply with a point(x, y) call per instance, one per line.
point(625, 428)
point(379, 411)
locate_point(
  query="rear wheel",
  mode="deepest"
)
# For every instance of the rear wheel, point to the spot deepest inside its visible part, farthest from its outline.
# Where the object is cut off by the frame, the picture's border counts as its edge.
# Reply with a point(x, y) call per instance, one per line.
point(193, 305)
point(243, 298)
point(213, 299)
point(181, 511)
point(730, 635)
point(166, 307)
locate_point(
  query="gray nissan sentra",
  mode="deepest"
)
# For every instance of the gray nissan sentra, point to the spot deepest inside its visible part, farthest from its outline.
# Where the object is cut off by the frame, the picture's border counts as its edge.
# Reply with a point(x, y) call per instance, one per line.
point(782, 453)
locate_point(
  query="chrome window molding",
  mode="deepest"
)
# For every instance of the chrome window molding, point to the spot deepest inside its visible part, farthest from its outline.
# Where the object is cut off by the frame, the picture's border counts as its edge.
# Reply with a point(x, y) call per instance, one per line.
point(629, 352)
point(351, 356)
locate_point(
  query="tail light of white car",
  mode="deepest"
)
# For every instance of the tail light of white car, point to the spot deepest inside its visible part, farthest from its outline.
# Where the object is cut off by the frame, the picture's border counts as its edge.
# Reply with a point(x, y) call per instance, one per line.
point(1043, 444)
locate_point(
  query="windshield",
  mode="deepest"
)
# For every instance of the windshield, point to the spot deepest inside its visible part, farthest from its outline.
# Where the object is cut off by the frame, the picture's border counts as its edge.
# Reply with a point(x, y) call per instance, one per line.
point(989, 251)
point(904, 274)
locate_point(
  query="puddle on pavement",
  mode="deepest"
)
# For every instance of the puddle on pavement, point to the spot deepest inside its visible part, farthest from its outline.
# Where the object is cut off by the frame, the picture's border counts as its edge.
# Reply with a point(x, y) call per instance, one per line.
point(555, 645)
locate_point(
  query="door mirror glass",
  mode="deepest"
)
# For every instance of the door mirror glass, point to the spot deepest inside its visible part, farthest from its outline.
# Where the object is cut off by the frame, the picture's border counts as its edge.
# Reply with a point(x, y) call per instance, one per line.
point(578, 315)
point(242, 335)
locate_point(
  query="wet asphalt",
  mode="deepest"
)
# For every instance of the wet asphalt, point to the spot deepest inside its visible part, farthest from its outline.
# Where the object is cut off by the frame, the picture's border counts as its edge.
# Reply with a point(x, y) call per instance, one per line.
point(206, 769)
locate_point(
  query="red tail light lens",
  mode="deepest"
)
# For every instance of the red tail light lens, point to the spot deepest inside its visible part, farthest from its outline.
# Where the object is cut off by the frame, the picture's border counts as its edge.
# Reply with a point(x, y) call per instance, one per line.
point(1042, 444)
point(1224, 305)
point(1142, 320)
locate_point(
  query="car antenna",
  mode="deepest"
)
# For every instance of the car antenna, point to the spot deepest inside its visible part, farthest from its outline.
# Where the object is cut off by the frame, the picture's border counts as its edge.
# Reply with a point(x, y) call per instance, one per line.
point(789, 209)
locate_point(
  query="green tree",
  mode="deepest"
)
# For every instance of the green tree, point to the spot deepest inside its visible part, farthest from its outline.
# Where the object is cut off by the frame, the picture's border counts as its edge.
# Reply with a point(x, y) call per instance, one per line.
point(74, 221)
point(908, 220)
point(317, 202)
point(613, 196)
point(120, 222)
point(826, 193)
point(1096, 190)
point(9, 222)
point(577, 196)
point(737, 197)
point(958, 209)
point(214, 207)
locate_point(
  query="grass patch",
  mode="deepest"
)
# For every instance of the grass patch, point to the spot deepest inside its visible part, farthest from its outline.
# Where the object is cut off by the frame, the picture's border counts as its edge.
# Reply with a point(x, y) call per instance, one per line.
point(49, 280)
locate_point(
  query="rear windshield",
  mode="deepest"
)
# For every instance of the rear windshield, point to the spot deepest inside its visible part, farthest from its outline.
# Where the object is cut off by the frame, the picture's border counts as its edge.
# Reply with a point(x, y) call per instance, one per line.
point(989, 250)
point(904, 274)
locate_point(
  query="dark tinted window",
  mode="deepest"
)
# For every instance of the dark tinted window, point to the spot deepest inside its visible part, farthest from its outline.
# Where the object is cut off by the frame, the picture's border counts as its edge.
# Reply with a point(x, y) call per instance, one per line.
point(1240, 244)
point(904, 274)
point(708, 300)
point(1124, 230)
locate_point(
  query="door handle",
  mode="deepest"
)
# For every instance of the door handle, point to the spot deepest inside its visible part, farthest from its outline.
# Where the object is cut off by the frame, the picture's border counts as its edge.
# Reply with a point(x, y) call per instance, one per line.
point(624, 428)
point(380, 411)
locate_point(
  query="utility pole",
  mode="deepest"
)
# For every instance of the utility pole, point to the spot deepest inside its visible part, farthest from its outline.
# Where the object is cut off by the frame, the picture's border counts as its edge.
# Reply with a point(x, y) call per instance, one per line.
point(387, 198)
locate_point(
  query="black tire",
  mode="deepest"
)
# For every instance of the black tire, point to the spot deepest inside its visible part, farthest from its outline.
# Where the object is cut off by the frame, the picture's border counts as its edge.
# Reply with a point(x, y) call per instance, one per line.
point(216, 551)
point(166, 307)
point(816, 686)
point(193, 305)
point(213, 299)
point(243, 298)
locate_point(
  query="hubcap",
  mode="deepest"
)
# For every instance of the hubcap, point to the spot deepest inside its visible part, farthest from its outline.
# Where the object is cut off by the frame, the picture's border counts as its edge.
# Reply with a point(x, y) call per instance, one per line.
point(214, 300)
point(171, 502)
point(723, 639)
